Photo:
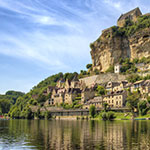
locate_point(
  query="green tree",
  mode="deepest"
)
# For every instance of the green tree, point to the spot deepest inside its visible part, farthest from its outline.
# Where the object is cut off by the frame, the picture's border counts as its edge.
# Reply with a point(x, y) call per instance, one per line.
point(100, 90)
point(92, 111)
point(88, 66)
point(105, 106)
point(142, 105)
point(132, 102)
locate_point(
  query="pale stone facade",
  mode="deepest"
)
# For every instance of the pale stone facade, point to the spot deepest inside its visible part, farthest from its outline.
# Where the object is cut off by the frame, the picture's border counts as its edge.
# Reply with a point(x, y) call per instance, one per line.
point(116, 100)
point(96, 101)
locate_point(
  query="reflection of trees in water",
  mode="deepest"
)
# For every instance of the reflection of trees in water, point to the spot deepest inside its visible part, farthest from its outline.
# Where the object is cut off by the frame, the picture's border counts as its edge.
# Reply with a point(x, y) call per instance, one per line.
point(120, 135)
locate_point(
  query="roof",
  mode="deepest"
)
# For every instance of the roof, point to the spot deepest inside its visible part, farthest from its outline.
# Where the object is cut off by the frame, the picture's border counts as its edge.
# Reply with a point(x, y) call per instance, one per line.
point(124, 16)
point(98, 99)
point(115, 93)
point(73, 91)
point(138, 82)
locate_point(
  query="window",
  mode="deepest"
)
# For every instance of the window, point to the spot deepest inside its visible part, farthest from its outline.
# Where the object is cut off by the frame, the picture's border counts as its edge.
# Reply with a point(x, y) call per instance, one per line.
point(116, 102)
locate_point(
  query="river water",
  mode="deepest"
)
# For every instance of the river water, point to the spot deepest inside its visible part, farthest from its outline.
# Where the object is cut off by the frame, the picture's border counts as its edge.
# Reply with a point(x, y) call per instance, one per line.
point(74, 135)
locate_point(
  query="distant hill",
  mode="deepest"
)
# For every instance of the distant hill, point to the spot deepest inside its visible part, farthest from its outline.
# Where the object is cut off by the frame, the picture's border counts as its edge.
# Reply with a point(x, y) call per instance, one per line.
point(9, 99)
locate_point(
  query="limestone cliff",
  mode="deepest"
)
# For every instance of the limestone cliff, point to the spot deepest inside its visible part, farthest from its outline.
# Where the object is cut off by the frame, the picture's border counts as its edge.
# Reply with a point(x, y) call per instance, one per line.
point(132, 40)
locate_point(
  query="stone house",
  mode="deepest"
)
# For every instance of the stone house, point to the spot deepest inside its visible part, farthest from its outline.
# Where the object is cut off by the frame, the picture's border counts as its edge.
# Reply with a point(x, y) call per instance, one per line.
point(131, 15)
point(57, 96)
point(120, 86)
point(145, 89)
point(115, 99)
point(110, 85)
point(137, 85)
point(61, 83)
point(75, 83)
point(71, 94)
point(96, 101)
point(86, 94)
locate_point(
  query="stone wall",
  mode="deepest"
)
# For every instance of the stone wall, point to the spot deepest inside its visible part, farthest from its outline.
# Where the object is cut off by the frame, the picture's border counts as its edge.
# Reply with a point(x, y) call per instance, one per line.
point(103, 78)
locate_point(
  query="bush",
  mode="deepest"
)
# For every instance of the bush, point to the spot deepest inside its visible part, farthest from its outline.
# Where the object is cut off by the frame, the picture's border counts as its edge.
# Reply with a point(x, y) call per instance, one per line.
point(108, 115)
point(48, 115)
point(88, 66)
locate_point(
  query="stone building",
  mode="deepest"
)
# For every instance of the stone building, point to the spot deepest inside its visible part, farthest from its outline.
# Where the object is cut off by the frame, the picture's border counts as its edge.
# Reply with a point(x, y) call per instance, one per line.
point(115, 99)
point(71, 94)
point(111, 85)
point(96, 101)
point(86, 94)
point(137, 85)
point(131, 15)
point(61, 83)
point(75, 83)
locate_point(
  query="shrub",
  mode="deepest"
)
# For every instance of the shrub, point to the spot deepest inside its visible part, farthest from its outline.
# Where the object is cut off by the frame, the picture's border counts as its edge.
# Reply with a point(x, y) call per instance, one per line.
point(110, 115)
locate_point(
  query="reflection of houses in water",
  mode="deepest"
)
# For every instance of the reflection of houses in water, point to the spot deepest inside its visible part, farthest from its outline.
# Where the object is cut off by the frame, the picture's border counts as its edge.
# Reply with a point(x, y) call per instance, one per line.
point(114, 136)
point(71, 134)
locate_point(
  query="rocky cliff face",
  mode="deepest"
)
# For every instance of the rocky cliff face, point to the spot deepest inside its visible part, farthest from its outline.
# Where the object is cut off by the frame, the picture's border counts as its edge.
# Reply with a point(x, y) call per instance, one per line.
point(109, 48)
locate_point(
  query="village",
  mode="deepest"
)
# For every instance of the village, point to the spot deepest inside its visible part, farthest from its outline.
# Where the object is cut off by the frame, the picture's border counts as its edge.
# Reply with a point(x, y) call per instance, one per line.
point(85, 93)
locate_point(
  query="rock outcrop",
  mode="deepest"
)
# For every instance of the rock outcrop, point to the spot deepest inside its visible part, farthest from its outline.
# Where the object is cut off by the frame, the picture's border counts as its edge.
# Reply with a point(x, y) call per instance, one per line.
point(110, 47)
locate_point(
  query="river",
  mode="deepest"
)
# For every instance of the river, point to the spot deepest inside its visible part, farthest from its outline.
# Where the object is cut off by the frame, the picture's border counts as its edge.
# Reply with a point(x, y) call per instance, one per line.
point(74, 135)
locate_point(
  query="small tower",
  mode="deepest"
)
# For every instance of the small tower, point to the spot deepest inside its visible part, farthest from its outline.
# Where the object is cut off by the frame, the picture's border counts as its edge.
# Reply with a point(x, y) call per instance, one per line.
point(117, 68)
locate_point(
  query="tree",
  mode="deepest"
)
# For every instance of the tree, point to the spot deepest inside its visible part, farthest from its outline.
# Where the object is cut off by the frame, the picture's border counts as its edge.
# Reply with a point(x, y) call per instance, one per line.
point(142, 105)
point(92, 111)
point(41, 98)
point(48, 115)
point(100, 90)
point(88, 66)
point(105, 106)
point(132, 102)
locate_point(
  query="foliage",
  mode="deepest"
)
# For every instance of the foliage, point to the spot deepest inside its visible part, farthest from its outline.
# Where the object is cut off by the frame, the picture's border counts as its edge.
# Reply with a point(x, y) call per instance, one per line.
point(100, 90)
point(142, 105)
point(130, 28)
point(110, 69)
point(105, 106)
point(48, 115)
point(41, 98)
point(108, 115)
point(7, 100)
point(127, 66)
point(133, 78)
point(92, 111)
point(88, 66)
point(132, 101)
point(91, 45)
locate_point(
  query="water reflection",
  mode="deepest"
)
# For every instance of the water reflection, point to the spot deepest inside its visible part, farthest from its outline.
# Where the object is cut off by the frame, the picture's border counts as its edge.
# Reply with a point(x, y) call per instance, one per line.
point(65, 135)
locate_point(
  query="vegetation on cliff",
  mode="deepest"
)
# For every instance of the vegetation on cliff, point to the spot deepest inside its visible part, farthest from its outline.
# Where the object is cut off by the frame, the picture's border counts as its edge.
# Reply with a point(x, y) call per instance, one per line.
point(130, 27)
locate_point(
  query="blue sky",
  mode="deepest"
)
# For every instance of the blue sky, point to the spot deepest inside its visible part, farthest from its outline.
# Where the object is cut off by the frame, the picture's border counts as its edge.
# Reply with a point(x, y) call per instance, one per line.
point(39, 38)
